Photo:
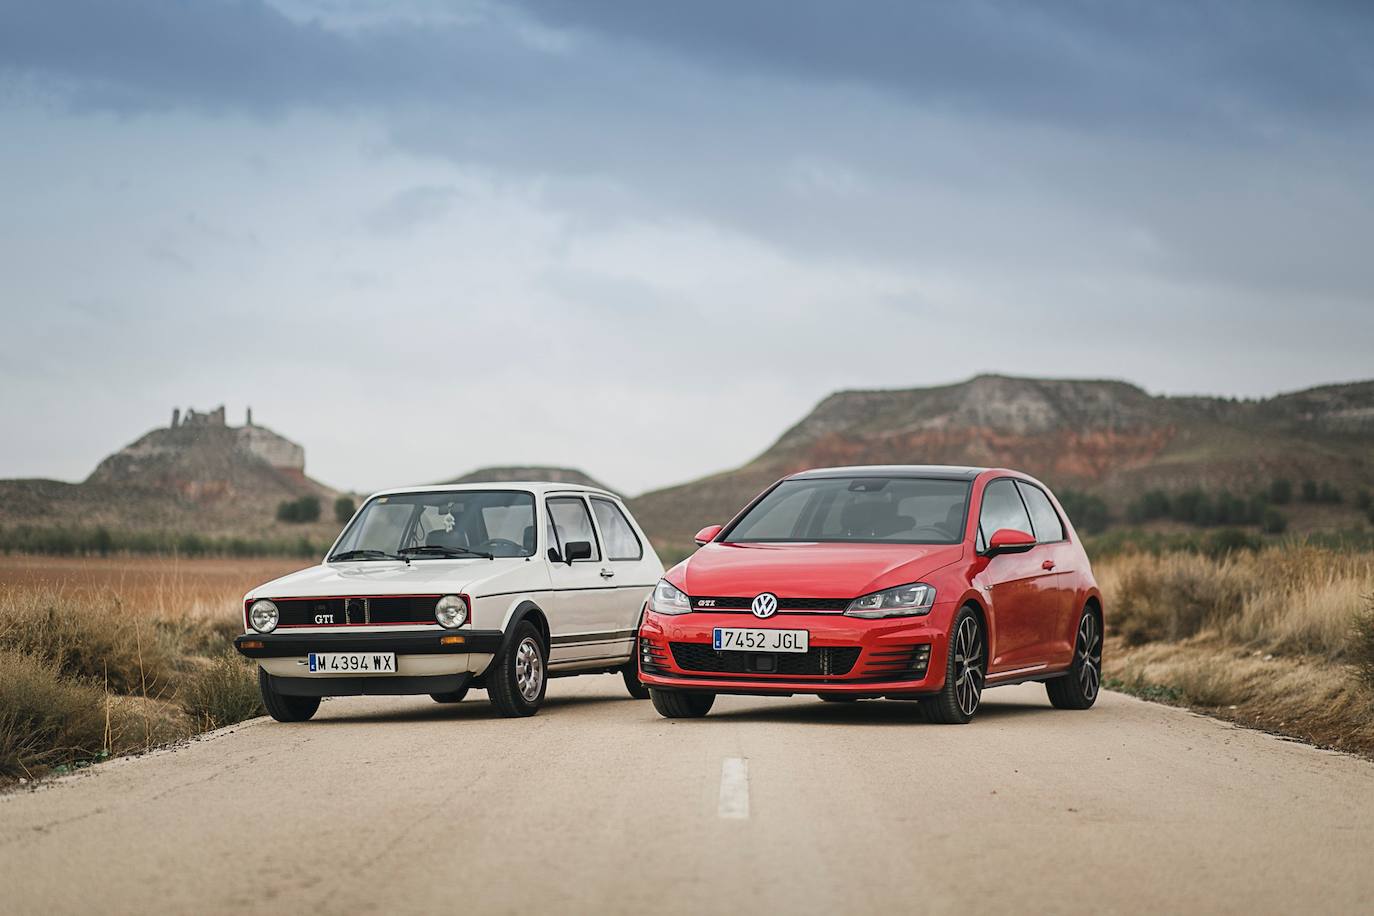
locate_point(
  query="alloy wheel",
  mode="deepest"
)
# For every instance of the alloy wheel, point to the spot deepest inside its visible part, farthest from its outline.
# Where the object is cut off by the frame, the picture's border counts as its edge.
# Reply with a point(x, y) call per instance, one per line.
point(529, 670)
point(1089, 656)
point(968, 666)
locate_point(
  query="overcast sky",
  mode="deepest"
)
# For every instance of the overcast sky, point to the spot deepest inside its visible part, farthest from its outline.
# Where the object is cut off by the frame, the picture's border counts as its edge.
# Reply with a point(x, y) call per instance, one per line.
point(644, 238)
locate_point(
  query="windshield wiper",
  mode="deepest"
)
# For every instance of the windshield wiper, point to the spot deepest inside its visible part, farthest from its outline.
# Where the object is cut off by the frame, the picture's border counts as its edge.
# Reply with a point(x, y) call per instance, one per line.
point(446, 551)
point(364, 555)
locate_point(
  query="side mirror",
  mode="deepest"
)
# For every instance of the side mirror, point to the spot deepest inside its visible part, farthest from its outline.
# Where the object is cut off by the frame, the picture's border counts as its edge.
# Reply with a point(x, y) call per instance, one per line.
point(707, 534)
point(577, 550)
point(555, 556)
point(1009, 540)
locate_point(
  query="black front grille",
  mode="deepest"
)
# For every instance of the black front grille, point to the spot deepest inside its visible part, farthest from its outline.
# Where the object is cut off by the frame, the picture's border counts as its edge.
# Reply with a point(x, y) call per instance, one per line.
point(822, 662)
point(784, 604)
point(326, 612)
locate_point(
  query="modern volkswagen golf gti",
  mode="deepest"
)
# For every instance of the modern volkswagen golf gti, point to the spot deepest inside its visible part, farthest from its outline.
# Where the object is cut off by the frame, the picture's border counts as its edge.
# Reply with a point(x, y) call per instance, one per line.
point(907, 582)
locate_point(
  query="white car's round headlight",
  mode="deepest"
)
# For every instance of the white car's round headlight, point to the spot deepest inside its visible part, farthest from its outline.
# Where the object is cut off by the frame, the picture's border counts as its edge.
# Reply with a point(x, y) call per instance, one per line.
point(451, 611)
point(263, 616)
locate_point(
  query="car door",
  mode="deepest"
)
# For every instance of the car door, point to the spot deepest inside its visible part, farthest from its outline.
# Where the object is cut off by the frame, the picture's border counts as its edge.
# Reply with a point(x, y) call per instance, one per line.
point(1057, 625)
point(1012, 580)
point(631, 566)
point(579, 622)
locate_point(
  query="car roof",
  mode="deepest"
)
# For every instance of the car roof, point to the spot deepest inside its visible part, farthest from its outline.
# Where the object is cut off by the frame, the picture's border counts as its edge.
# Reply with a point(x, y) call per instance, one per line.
point(538, 487)
point(937, 471)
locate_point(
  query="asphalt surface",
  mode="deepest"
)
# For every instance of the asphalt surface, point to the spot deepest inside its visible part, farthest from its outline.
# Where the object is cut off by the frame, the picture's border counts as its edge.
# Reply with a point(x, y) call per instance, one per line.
point(766, 806)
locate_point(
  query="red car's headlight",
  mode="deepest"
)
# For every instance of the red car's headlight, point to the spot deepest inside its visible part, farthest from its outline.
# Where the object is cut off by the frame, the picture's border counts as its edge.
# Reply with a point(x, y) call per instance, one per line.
point(902, 601)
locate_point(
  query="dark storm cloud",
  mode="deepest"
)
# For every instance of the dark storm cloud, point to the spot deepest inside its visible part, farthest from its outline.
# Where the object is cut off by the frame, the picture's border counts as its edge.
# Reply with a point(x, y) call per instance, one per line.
point(1144, 62)
point(1068, 60)
point(242, 54)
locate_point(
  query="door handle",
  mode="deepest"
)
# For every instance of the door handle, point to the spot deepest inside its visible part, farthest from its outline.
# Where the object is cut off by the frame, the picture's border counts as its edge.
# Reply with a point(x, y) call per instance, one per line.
point(1048, 564)
point(607, 573)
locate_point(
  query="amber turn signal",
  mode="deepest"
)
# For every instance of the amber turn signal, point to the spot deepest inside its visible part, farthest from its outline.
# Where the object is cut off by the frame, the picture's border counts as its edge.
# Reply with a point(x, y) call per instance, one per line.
point(452, 640)
point(251, 644)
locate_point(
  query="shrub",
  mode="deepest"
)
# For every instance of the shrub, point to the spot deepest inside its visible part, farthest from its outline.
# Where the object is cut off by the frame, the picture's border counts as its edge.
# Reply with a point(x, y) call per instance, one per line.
point(344, 509)
point(1329, 494)
point(1362, 644)
point(1281, 491)
point(297, 511)
point(1363, 501)
point(93, 639)
point(46, 720)
point(1274, 522)
point(1309, 491)
point(1088, 512)
point(1225, 541)
point(224, 692)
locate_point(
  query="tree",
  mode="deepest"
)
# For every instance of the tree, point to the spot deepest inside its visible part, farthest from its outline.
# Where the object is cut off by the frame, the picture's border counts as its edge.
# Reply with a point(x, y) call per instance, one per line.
point(1309, 491)
point(1275, 522)
point(296, 511)
point(1281, 492)
point(343, 509)
point(1330, 493)
point(1363, 501)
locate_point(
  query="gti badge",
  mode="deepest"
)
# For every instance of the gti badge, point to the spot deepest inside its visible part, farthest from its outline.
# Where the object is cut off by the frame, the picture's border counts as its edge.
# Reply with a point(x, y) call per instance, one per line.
point(765, 605)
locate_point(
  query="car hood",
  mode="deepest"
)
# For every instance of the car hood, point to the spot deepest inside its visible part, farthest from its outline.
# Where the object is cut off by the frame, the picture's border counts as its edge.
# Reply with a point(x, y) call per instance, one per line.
point(472, 576)
point(808, 570)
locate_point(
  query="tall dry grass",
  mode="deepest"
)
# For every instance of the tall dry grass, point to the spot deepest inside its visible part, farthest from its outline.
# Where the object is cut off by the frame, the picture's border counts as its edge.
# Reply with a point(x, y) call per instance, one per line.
point(1281, 639)
point(100, 657)
point(1302, 600)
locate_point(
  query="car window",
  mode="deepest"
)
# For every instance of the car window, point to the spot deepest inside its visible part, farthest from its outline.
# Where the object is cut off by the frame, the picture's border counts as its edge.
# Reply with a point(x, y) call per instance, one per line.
point(621, 541)
point(572, 522)
point(902, 510)
point(497, 521)
point(1002, 508)
point(1048, 527)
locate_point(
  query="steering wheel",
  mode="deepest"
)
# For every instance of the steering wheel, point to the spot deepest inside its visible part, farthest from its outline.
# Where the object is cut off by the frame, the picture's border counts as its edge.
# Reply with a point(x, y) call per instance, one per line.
point(491, 543)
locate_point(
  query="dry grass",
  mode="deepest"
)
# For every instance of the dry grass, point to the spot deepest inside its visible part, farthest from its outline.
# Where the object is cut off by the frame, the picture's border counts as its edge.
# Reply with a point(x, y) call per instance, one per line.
point(100, 657)
point(1282, 639)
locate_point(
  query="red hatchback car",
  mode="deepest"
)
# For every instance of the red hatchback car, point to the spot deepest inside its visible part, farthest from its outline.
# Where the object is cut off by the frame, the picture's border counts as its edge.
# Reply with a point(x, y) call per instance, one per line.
point(908, 582)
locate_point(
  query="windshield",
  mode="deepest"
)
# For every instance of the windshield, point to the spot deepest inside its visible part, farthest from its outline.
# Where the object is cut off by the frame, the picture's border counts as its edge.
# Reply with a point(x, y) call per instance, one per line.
point(421, 526)
point(899, 510)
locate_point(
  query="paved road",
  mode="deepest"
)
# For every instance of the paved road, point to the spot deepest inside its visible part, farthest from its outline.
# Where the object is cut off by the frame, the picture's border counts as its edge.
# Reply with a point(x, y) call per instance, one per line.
point(767, 806)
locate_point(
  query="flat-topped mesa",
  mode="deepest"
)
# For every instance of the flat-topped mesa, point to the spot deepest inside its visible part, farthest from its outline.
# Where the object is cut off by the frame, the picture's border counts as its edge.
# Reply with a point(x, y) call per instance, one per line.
point(200, 446)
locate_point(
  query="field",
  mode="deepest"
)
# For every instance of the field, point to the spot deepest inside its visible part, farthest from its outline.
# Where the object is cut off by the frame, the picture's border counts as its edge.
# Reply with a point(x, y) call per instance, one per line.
point(107, 656)
point(115, 655)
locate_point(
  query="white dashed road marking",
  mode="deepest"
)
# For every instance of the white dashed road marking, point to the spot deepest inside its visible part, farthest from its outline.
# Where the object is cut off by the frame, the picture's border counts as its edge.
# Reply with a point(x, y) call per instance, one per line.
point(734, 789)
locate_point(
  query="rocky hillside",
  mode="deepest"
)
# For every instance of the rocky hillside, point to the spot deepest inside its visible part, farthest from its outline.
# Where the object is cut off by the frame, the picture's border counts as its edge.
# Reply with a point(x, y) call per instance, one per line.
point(1106, 438)
point(198, 475)
point(527, 473)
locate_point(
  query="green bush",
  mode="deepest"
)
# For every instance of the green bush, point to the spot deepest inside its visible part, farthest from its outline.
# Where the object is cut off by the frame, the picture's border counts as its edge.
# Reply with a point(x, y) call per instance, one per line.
point(88, 541)
point(1310, 491)
point(344, 509)
point(299, 511)
point(1229, 540)
point(1281, 492)
point(1363, 501)
point(1088, 512)
point(1330, 494)
point(225, 692)
point(1274, 522)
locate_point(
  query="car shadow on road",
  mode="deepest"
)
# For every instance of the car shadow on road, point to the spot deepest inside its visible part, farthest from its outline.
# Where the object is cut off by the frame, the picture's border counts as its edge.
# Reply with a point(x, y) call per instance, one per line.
point(474, 708)
point(864, 712)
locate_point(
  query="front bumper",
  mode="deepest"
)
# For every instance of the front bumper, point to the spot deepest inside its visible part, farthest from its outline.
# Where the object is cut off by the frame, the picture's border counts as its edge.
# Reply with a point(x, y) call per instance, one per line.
point(887, 662)
point(408, 642)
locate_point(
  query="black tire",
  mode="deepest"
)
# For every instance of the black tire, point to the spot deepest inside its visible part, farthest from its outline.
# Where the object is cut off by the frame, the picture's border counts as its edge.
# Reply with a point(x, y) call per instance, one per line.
point(1079, 688)
point(519, 676)
point(632, 682)
point(965, 670)
point(455, 696)
point(679, 704)
point(837, 698)
point(284, 708)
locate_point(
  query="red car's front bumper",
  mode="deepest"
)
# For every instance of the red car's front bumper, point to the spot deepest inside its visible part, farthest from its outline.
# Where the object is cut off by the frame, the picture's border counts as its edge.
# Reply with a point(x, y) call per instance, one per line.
point(899, 656)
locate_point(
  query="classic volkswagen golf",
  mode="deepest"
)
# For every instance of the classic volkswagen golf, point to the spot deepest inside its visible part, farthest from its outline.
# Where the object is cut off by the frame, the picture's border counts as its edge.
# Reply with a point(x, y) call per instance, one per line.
point(924, 583)
point(440, 589)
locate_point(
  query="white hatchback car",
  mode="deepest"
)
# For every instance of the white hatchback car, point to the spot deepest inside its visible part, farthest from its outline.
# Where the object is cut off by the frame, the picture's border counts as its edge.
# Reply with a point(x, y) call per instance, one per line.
point(438, 589)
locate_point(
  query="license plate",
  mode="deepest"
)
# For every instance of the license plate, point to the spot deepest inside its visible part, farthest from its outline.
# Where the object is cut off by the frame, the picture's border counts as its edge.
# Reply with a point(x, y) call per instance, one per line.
point(353, 662)
point(739, 639)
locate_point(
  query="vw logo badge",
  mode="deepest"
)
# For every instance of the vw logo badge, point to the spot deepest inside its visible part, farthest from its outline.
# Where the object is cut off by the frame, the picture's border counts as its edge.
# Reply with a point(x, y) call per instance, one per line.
point(765, 605)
